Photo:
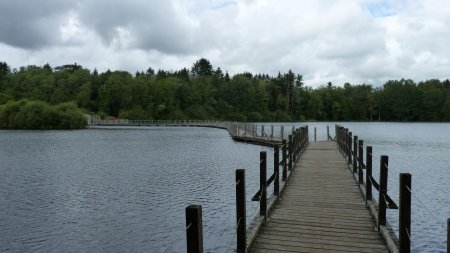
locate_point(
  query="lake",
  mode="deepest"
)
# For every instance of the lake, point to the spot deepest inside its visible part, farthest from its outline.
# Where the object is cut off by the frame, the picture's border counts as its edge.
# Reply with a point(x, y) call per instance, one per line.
point(125, 189)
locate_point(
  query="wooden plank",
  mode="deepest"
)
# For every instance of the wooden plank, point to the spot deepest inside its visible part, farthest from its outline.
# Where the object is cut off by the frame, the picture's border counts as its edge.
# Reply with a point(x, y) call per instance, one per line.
point(322, 210)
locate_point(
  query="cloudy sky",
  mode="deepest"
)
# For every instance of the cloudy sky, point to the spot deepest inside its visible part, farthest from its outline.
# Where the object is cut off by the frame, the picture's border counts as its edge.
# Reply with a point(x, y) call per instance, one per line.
point(325, 40)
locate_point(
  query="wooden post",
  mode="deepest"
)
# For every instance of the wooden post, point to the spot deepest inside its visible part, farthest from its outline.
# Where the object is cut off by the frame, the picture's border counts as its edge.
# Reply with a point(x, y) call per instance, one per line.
point(448, 235)
point(290, 152)
point(241, 212)
point(404, 229)
point(355, 153)
point(368, 173)
point(349, 143)
point(315, 134)
point(262, 131)
point(194, 229)
point(263, 184)
point(282, 132)
point(271, 132)
point(294, 145)
point(361, 157)
point(276, 168)
point(384, 161)
point(328, 133)
point(284, 155)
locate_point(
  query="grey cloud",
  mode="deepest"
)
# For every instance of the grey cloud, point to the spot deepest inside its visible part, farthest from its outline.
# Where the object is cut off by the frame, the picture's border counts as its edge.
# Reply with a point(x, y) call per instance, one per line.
point(153, 25)
point(31, 24)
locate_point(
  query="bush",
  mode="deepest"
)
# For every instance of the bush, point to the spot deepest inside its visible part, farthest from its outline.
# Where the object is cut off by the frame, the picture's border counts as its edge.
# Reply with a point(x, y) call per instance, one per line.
point(38, 115)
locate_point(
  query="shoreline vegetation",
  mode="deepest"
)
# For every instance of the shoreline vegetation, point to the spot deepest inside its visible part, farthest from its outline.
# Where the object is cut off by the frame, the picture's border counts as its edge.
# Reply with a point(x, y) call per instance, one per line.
point(38, 115)
point(45, 97)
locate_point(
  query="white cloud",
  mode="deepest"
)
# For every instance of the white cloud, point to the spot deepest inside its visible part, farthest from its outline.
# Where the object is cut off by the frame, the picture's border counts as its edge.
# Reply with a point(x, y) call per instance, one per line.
point(328, 40)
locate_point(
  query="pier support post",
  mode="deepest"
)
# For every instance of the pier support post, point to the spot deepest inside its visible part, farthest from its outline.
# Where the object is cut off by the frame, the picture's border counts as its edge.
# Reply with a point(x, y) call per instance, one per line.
point(355, 153)
point(448, 235)
point(276, 169)
point(271, 132)
point(282, 132)
point(368, 173)
point(284, 155)
point(328, 133)
point(361, 157)
point(349, 144)
point(263, 184)
point(384, 161)
point(241, 212)
point(294, 145)
point(404, 229)
point(290, 152)
point(315, 134)
point(194, 229)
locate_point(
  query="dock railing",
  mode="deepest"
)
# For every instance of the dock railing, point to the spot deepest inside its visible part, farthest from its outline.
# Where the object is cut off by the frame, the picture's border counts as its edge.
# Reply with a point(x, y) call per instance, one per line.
point(353, 150)
point(249, 130)
point(291, 150)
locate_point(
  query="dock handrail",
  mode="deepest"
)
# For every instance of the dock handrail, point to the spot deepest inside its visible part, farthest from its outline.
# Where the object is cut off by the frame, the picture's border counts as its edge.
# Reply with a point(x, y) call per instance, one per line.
point(297, 141)
point(353, 150)
point(291, 151)
point(237, 130)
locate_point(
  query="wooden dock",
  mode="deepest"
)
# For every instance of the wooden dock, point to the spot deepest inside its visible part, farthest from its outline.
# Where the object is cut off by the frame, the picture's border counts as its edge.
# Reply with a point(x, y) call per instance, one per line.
point(322, 210)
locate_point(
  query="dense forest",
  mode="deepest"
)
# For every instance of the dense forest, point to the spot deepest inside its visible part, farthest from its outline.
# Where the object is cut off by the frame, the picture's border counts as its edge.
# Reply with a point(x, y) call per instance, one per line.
point(205, 92)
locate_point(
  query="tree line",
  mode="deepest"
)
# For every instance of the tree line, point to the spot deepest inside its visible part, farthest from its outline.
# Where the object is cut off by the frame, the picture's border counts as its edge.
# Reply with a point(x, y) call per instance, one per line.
point(205, 92)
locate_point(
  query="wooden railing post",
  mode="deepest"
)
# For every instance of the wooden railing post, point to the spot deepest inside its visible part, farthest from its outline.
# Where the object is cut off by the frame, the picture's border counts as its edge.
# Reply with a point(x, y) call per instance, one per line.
point(368, 173)
point(360, 167)
point(282, 132)
point(404, 229)
point(276, 168)
point(328, 133)
point(284, 155)
point(241, 212)
point(296, 144)
point(384, 161)
point(194, 229)
point(349, 144)
point(290, 152)
point(448, 235)
point(271, 132)
point(355, 153)
point(315, 134)
point(263, 184)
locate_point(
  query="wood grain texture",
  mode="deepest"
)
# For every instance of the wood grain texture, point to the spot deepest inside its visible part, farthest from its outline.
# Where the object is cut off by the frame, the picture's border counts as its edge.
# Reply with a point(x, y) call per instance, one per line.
point(321, 210)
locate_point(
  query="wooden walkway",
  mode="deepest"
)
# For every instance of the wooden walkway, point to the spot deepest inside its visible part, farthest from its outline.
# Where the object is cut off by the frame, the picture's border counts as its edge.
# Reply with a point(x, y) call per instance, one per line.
point(322, 209)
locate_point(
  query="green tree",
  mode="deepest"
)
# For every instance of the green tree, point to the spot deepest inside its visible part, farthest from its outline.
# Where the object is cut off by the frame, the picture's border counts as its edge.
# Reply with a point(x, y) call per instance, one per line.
point(202, 68)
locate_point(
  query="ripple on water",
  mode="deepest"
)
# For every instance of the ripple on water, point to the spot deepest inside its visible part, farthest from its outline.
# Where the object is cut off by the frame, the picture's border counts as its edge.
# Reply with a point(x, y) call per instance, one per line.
point(121, 190)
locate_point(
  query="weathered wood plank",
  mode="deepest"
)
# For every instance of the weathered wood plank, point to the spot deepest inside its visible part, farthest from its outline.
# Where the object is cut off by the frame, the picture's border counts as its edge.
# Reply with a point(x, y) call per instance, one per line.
point(321, 210)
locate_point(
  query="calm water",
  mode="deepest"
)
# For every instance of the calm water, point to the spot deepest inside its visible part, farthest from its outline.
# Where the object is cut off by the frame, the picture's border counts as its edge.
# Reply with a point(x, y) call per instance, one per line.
point(119, 190)
point(104, 190)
